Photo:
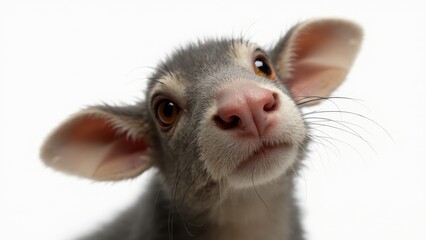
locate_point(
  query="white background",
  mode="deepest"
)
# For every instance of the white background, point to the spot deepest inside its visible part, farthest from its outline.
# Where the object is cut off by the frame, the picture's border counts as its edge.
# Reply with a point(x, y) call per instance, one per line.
point(59, 56)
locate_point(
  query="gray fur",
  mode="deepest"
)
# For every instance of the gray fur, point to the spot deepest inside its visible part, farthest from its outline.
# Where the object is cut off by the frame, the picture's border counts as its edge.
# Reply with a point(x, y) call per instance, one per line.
point(187, 199)
point(177, 206)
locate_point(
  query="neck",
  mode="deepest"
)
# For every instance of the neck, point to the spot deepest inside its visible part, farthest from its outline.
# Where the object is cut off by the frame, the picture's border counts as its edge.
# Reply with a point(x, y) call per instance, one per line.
point(265, 212)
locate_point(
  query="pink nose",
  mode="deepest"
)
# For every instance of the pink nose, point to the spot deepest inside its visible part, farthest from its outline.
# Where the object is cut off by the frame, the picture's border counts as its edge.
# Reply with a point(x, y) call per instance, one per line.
point(247, 109)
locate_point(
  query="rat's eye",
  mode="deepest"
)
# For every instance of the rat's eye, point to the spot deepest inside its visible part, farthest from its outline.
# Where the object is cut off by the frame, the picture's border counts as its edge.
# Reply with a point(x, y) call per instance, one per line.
point(167, 113)
point(262, 67)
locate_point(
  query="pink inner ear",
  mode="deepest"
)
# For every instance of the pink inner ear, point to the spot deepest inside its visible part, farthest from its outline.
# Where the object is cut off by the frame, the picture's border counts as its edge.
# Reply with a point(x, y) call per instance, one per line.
point(93, 129)
point(311, 80)
point(322, 53)
point(99, 130)
point(113, 154)
point(124, 157)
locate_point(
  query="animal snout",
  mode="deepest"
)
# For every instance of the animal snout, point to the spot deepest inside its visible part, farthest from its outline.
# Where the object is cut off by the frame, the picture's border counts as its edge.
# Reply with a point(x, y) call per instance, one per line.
point(247, 109)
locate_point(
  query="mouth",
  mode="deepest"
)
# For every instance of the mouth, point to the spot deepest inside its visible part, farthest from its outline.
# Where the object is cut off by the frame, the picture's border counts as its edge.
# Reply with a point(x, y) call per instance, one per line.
point(263, 156)
point(267, 163)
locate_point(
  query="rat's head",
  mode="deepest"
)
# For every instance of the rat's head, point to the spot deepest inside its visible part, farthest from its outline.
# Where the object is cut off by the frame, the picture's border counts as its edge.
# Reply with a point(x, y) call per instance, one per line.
point(216, 111)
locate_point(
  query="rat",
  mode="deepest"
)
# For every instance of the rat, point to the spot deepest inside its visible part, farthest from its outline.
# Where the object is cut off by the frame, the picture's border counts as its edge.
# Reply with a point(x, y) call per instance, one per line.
point(222, 121)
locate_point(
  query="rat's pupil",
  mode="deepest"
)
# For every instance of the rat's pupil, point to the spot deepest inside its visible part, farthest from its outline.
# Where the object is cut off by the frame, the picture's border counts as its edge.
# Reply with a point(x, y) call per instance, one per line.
point(262, 67)
point(169, 109)
point(167, 112)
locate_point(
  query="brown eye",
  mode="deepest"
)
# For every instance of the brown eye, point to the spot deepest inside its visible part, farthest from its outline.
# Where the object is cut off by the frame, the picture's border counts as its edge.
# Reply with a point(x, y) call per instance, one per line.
point(262, 67)
point(167, 112)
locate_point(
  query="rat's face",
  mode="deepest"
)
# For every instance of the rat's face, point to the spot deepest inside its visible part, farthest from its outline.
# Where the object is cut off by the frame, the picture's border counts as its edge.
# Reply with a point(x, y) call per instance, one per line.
point(220, 108)
point(221, 111)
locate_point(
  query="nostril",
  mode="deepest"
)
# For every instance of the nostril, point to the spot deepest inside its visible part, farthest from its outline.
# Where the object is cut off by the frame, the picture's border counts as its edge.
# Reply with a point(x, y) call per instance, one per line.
point(271, 104)
point(230, 123)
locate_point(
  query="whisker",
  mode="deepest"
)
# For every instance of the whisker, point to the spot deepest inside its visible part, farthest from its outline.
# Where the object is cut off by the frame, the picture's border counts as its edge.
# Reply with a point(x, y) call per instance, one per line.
point(299, 103)
point(338, 121)
point(184, 224)
point(346, 131)
point(175, 187)
point(310, 99)
point(331, 147)
point(350, 113)
point(343, 142)
point(158, 195)
point(326, 149)
point(257, 193)
point(293, 170)
point(354, 114)
point(220, 198)
point(192, 183)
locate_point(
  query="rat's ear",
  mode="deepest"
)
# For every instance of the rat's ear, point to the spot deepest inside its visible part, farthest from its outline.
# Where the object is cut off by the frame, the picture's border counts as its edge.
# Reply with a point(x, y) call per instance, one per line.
point(101, 143)
point(315, 56)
